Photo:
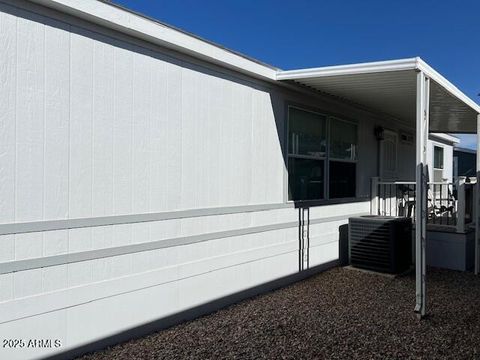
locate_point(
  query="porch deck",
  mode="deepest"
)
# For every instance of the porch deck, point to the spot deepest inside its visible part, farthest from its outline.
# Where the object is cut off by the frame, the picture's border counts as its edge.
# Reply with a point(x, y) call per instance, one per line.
point(338, 314)
point(449, 205)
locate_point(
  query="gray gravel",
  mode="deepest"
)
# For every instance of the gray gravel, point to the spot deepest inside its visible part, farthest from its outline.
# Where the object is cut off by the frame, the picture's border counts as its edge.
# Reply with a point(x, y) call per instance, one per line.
point(338, 314)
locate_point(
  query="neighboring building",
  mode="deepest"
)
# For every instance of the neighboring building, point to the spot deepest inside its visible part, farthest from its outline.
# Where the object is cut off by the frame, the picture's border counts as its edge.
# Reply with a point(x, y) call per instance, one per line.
point(440, 155)
point(147, 174)
point(464, 162)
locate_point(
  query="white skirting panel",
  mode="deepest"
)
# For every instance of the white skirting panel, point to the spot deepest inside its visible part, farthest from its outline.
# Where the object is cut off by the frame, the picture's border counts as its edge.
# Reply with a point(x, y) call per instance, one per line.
point(131, 290)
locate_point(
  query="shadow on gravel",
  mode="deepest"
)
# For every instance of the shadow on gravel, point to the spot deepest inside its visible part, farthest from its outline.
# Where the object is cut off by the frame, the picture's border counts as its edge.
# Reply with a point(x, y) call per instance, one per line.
point(338, 314)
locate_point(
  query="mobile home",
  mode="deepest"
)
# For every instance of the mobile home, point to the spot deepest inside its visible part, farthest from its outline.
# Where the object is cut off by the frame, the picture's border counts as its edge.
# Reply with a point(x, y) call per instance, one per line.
point(148, 176)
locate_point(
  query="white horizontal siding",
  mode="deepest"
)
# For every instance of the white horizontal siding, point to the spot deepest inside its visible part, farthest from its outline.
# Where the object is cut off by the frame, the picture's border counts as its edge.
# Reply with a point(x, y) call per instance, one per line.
point(183, 277)
point(8, 44)
point(100, 125)
point(92, 126)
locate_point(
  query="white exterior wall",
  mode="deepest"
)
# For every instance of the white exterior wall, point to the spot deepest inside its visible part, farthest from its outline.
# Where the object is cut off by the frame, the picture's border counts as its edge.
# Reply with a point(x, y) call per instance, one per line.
point(406, 161)
point(94, 126)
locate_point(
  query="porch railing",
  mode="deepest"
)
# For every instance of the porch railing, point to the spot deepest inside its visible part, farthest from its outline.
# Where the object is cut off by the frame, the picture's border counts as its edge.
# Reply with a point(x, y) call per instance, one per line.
point(448, 204)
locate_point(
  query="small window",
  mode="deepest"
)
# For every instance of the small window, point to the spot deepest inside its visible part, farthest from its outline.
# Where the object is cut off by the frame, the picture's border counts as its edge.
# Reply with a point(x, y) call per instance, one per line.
point(406, 138)
point(438, 157)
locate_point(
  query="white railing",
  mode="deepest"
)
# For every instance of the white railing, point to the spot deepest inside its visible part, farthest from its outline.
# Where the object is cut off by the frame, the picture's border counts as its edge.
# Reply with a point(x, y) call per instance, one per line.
point(448, 204)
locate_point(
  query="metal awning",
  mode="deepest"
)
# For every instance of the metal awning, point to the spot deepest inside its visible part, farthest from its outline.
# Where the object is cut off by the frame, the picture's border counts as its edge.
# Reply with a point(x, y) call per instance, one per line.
point(390, 87)
point(411, 91)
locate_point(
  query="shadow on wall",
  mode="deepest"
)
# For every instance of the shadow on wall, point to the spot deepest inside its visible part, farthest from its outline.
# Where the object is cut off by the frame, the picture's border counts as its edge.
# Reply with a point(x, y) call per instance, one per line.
point(125, 42)
point(278, 100)
point(192, 313)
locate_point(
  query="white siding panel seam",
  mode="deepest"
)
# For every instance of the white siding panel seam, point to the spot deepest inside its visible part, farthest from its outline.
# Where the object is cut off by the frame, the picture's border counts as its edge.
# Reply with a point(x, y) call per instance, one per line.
point(44, 30)
point(92, 115)
point(8, 105)
point(69, 171)
point(53, 225)
point(35, 263)
point(47, 302)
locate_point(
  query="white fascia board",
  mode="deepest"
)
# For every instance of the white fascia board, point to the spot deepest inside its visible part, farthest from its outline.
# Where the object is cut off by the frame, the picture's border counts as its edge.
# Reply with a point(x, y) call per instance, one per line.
point(351, 69)
point(135, 25)
point(415, 63)
point(447, 85)
point(464, 150)
point(446, 137)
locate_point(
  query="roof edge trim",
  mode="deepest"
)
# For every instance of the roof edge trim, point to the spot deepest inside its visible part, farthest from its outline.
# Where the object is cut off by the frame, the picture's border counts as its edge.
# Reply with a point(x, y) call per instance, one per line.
point(139, 26)
point(351, 69)
point(415, 63)
point(446, 137)
point(464, 150)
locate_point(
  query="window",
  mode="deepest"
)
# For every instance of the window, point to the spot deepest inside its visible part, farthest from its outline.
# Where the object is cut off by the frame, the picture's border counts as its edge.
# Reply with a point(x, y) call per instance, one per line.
point(312, 170)
point(306, 178)
point(342, 179)
point(342, 159)
point(438, 157)
point(307, 133)
point(306, 155)
point(343, 140)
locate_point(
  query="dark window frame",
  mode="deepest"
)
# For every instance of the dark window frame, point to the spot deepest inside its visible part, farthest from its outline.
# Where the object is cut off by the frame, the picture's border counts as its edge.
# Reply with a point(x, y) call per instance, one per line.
point(442, 165)
point(327, 159)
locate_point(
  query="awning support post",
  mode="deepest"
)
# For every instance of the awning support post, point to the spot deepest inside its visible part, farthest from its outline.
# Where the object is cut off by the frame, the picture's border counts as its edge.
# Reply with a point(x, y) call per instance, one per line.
point(477, 203)
point(422, 120)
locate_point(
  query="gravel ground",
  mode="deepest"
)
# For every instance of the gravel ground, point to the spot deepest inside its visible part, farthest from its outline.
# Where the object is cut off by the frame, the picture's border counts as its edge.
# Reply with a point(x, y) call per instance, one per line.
point(338, 314)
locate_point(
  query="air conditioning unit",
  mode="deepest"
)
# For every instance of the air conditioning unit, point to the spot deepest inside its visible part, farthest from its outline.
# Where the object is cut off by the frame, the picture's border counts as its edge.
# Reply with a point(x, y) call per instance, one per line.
point(380, 243)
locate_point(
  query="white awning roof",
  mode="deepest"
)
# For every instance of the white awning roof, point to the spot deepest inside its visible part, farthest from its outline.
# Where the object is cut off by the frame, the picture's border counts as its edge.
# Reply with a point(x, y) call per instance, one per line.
point(390, 87)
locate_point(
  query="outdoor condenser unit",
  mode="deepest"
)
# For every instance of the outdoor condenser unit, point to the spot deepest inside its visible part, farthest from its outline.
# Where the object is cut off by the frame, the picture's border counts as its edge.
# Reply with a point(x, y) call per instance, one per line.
point(380, 243)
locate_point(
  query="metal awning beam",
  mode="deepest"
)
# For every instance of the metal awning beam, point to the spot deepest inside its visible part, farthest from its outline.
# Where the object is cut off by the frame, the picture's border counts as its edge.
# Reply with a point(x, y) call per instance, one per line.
point(389, 88)
point(411, 91)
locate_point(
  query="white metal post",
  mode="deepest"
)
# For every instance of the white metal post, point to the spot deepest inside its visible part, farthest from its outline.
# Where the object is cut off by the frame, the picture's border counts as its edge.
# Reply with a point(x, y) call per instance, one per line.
point(374, 196)
point(422, 119)
point(461, 204)
point(477, 203)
